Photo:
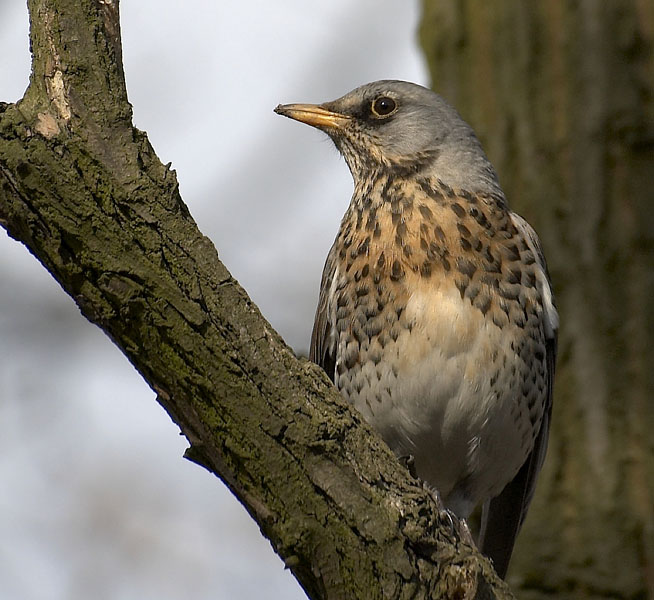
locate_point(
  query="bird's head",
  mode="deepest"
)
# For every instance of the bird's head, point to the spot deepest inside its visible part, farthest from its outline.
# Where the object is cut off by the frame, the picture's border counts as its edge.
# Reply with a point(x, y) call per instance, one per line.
point(396, 125)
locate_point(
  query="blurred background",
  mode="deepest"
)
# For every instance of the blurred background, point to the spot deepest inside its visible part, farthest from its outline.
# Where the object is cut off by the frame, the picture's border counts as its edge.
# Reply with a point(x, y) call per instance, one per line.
point(95, 498)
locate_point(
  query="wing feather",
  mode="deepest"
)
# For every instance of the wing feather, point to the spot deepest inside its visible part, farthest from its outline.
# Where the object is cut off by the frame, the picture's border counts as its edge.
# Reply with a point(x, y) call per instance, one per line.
point(323, 338)
point(503, 515)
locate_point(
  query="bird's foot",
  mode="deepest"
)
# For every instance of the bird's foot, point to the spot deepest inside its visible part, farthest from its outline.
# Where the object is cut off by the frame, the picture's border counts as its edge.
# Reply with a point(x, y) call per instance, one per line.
point(457, 527)
point(465, 535)
point(409, 462)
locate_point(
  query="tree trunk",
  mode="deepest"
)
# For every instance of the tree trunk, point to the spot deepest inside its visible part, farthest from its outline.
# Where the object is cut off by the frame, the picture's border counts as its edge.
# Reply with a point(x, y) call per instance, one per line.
point(84, 191)
point(562, 96)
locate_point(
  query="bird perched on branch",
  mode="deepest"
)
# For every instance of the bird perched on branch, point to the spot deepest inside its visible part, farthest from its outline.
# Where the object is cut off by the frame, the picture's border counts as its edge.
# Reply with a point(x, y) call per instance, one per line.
point(436, 318)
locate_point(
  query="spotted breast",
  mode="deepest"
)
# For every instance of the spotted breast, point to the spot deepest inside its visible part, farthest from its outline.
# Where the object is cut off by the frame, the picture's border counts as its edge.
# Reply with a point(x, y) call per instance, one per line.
point(433, 300)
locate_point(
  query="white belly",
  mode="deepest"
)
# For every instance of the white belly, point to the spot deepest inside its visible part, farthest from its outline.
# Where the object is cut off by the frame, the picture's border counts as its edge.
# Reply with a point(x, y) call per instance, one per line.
point(447, 392)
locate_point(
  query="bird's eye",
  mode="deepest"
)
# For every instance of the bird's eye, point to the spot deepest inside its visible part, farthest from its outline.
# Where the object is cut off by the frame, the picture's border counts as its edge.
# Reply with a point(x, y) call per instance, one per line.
point(383, 106)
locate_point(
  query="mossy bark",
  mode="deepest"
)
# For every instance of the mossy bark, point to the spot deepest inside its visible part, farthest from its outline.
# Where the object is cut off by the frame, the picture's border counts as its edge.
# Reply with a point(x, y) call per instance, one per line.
point(562, 96)
point(85, 192)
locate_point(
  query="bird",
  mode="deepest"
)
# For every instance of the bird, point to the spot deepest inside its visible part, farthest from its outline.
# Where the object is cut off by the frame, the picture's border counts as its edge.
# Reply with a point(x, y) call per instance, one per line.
point(436, 318)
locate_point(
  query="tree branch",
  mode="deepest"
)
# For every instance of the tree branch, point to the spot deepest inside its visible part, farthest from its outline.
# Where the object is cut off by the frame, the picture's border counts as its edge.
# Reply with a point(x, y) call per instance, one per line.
point(85, 192)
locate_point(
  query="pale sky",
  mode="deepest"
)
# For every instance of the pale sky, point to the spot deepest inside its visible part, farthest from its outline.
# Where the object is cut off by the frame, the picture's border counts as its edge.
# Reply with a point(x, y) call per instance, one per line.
point(95, 499)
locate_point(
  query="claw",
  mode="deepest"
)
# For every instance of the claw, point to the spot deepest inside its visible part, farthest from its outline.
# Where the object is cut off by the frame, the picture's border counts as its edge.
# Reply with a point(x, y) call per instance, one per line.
point(409, 462)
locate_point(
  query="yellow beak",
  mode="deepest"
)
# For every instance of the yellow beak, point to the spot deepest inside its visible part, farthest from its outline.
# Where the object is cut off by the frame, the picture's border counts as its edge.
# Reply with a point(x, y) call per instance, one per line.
point(313, 114)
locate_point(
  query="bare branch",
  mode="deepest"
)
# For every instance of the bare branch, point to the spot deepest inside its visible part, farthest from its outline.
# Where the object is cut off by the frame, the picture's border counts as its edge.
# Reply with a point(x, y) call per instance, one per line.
point(84, 191)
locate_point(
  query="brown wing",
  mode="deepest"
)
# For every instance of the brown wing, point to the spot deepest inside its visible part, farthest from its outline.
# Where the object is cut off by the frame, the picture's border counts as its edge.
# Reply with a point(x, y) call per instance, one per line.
point(323, 342)
point(503, 515)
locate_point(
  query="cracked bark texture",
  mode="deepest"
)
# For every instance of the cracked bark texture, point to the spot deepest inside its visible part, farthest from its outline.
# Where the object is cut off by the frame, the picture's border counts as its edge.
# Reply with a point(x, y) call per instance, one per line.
point(85, 192)
point(562, 95)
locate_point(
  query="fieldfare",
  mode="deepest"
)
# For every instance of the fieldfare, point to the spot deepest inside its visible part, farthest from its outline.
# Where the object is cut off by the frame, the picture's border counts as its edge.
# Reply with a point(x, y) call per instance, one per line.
point(436, 318)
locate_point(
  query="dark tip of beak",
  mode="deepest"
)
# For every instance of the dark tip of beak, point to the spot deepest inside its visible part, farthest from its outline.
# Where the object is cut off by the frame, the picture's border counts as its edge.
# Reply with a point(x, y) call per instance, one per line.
point(314, 115)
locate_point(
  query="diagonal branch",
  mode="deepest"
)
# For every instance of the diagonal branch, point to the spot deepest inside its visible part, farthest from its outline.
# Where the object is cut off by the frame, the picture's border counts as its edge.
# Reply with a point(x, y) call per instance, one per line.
point(85, 192)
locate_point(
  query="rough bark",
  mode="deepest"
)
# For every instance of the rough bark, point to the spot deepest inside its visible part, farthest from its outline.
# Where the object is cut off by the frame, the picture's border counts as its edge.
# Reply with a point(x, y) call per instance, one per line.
point(562, 95)
point(84, 191)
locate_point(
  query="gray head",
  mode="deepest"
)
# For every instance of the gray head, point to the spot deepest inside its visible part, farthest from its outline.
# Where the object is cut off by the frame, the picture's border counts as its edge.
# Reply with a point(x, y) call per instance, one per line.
point(403, 126)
